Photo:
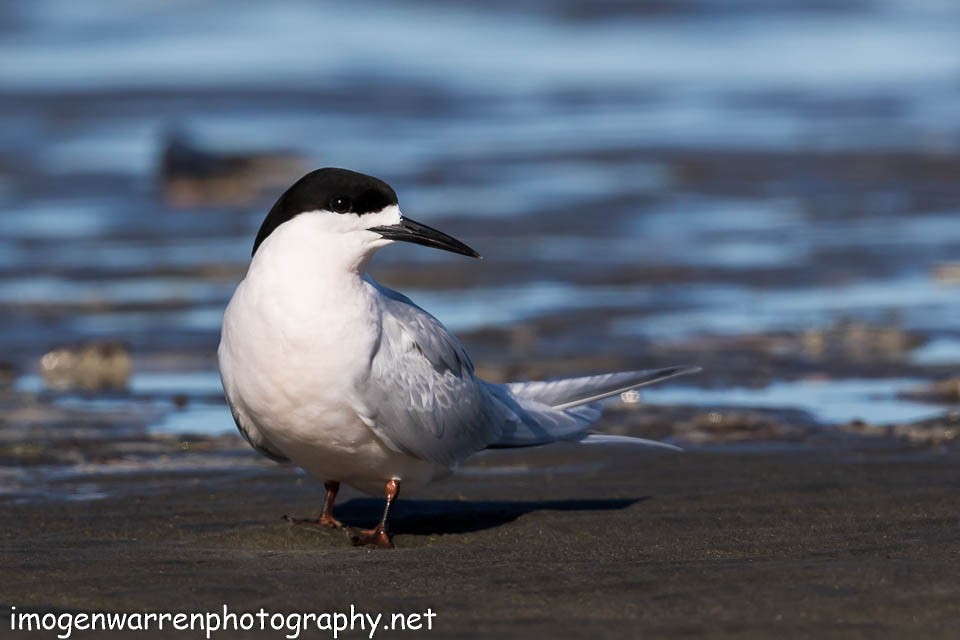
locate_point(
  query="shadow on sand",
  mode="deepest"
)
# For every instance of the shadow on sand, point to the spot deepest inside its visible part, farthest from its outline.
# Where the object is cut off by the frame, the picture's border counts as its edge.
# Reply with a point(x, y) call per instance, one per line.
point(427, 517)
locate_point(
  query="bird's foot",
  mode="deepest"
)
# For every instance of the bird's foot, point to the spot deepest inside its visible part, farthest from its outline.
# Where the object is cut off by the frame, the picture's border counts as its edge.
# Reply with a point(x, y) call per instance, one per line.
point(329, 522)
point(377, 537)
point(323, 521)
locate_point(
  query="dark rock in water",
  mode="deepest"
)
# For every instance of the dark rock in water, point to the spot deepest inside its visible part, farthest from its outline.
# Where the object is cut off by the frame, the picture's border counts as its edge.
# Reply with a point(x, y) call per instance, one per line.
point(943, 391)
point(93, 366)
point(932, 432)
point(191, 176)
point(717, 427)
point(858, 342)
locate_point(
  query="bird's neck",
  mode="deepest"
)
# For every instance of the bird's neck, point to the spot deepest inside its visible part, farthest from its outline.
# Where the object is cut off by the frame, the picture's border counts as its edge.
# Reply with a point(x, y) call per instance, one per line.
point(304, 245)
point(309, 273)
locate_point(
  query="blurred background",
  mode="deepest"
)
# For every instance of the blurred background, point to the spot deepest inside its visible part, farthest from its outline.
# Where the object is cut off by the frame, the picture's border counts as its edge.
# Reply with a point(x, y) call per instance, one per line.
point(770, 189)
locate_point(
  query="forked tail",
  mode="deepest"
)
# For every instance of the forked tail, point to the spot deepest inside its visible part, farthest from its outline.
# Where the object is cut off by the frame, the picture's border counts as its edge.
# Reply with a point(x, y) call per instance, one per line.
point(565, 409)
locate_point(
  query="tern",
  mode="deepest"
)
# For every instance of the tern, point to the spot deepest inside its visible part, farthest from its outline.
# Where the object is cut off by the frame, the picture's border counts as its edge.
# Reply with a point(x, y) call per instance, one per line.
point(325, 367)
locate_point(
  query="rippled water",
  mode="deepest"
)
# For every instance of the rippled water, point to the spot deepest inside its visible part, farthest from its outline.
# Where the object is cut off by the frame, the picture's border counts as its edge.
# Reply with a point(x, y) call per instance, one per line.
point(782, 165)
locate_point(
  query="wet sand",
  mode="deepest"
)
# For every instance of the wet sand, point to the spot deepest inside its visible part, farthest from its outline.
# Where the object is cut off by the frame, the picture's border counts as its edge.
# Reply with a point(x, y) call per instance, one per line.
point(821, 543)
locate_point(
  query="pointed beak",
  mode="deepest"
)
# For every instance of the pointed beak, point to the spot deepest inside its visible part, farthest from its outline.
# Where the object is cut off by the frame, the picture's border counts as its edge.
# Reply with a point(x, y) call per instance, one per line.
point(408, 230)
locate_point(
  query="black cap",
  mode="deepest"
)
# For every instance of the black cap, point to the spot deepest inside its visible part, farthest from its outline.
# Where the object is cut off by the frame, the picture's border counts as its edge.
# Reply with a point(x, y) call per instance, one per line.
point(339, 191)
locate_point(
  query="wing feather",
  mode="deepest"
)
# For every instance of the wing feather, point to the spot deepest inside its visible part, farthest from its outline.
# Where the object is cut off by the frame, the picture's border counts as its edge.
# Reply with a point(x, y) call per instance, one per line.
point(422, 397)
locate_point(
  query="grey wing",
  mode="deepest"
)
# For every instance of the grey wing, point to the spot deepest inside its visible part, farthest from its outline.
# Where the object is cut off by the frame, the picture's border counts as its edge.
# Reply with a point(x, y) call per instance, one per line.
point(422, 397)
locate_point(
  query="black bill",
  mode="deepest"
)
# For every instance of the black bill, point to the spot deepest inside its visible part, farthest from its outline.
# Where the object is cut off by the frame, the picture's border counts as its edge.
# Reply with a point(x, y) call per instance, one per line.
point(408, 230)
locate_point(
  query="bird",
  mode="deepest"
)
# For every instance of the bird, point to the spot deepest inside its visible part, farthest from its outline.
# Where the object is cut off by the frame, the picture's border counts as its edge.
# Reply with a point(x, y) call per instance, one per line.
point(325, 367)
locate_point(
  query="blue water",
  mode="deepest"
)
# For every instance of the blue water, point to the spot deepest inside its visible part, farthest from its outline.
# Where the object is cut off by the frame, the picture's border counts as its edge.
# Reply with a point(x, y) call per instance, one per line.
point(827, 401)
point(564, 144)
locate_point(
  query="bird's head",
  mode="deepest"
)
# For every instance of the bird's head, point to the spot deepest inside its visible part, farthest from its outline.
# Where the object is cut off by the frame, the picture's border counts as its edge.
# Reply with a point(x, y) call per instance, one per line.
point(359, 213)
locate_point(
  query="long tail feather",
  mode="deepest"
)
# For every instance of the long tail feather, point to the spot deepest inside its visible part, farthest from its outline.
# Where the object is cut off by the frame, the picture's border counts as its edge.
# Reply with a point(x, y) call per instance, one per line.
point(573, 392)
point(564, 409)
point(602, 438)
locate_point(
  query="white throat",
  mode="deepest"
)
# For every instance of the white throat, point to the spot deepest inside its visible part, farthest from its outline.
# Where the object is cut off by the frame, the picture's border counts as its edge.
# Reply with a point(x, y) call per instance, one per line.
point(315, 244)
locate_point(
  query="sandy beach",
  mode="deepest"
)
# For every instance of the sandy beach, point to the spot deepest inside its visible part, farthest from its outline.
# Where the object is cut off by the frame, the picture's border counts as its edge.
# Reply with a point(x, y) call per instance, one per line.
point(812, 544)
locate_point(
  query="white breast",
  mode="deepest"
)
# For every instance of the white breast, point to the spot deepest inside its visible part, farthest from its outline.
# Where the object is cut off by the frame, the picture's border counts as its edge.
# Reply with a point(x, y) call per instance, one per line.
point(298, 338)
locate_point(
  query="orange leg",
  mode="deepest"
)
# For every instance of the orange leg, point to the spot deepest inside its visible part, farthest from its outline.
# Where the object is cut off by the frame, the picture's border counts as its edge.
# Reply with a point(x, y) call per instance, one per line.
point(379, 536)
point(326, 518)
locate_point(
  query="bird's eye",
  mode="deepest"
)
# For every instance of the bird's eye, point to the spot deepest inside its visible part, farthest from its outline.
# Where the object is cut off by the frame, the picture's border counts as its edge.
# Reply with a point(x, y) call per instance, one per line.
point(341, 204)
